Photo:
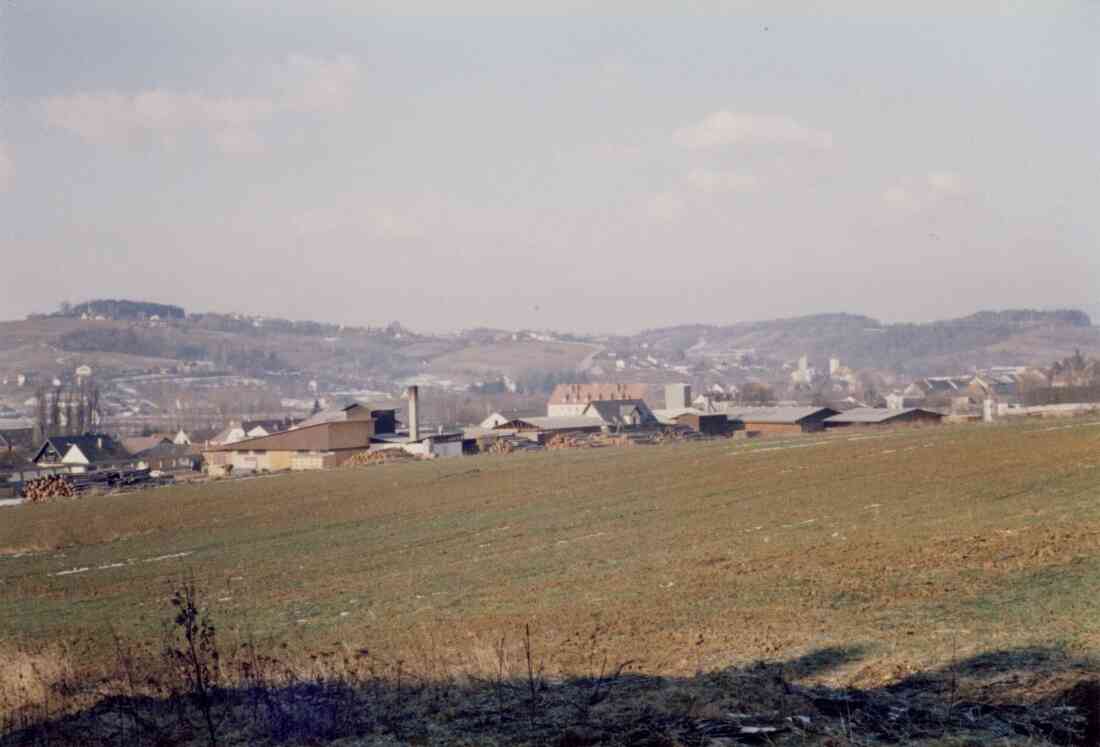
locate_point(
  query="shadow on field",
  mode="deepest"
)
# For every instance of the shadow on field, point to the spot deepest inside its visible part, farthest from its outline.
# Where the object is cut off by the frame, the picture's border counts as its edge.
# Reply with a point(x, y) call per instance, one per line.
point(1021, 696)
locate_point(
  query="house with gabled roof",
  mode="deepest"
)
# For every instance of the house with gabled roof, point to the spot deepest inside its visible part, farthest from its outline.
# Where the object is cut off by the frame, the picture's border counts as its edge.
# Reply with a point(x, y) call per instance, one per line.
point(137, 444)
point(499, 417)
point(90, 452)
point(621, 413)
point(165, 456)
point(385, 418)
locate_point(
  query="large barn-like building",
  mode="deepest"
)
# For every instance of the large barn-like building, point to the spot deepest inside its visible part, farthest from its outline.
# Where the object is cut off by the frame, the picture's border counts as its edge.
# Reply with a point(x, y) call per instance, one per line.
point(572, 399)
point(878, 416)
point(781, 419)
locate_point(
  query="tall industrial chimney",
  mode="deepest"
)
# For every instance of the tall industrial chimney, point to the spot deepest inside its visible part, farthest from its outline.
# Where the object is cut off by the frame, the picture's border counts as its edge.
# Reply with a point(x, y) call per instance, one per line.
point(413, 395)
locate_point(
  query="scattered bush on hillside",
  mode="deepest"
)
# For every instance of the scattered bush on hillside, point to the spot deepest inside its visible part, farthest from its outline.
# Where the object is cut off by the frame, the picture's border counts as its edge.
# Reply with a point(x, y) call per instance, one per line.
point(114, 340)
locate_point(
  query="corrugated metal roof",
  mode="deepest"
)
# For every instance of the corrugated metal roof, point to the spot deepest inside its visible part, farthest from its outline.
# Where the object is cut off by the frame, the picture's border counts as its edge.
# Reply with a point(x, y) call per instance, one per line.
point(669, 415)
point(774, 414)
point(325, 416)
point(403, 437)
point(476, 431)
point(340, 414)
point(138, 444)
point(872, 415)
point(562, 422)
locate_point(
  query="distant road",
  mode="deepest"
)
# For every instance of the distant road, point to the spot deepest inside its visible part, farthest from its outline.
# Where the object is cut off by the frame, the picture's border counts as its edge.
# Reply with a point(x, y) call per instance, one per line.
point(585, 364)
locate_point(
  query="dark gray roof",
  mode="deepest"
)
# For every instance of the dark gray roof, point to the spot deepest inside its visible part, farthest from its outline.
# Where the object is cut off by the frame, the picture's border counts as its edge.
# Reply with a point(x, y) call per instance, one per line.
point(165, 449)
point(97, 448)
point(340, 414)
point(946, 384)
point(138, 444)
point(621, 411)
point(778, 415)
point(271, 426)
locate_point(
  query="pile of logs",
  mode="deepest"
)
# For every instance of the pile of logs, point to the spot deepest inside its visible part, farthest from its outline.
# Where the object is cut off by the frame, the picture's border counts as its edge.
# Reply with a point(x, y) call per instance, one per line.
point(587, 440)
point(42, 489)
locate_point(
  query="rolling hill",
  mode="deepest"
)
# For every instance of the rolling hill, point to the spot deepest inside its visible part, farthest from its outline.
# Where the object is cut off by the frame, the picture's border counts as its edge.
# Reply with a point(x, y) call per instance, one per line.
point(381, 356)
point(1014, 337)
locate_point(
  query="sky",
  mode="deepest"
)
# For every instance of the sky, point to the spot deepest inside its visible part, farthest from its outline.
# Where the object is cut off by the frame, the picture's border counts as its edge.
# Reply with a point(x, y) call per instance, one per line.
point(597, 167)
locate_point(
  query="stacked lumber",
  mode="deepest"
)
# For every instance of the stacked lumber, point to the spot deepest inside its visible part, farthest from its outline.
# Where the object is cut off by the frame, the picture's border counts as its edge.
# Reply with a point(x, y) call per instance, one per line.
point(382, 456)
point(42, 489)
point(626, 439)
point(499, 446)
point(566, 441)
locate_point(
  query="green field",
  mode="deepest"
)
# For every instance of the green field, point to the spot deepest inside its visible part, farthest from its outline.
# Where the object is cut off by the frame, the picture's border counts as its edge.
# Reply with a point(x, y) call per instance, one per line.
point(908, 549)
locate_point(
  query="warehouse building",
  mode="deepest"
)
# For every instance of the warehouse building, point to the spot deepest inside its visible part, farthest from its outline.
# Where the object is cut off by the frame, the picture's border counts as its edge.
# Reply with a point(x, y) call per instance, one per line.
point(879, 416)
point(712, 424)
point(311, 447)
point(788, 420)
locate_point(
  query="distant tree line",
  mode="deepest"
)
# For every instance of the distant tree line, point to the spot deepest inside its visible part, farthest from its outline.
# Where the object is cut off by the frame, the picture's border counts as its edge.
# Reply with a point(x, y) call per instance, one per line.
point(532, 381)
point(121, 309)
point(68, 410)
point(756, 393)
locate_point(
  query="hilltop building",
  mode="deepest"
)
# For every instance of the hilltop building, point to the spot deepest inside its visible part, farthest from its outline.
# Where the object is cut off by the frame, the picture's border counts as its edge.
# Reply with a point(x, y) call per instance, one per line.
point(501, 417)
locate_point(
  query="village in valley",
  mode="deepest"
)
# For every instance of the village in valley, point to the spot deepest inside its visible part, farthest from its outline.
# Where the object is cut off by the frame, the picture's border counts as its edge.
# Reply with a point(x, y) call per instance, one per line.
point(712, 374)
point(196, 411)
point(825, 530)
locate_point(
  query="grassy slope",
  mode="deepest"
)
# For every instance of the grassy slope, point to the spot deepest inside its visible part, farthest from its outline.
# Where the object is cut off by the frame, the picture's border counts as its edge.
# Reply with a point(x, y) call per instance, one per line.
point(912, 546)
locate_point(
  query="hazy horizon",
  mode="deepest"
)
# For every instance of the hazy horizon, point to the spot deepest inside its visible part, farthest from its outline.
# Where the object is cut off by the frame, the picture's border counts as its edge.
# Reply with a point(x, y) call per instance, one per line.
point(587, 172)
point(1093, 312)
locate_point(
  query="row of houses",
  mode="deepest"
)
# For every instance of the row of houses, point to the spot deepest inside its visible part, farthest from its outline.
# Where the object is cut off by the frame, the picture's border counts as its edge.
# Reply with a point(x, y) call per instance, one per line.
point(590, 408)
point(97, 452)
point(330, 438)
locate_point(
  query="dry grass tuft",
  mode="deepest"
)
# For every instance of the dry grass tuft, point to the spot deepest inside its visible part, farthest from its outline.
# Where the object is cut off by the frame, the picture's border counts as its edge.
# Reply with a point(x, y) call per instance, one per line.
point(28, 677)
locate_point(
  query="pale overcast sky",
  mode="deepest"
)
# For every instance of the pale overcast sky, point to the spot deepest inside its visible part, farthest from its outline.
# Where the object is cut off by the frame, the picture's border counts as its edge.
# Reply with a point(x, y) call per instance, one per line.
point(601, 171)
